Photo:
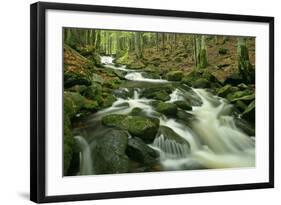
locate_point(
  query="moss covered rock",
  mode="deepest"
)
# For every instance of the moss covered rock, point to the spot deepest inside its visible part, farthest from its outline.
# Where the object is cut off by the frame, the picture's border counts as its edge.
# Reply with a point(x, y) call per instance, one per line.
point(201, 83)
point(169, 109)
point(137, 111)
point(183, 105)
point(139, 126)
point(195, 77)
point(169, 134)
point(138, 151)
point(246, 95)
point(245, 126)
point(250, 113)
point(225, 90)
point(175, 75)
point(162, 94)
point(108, 153)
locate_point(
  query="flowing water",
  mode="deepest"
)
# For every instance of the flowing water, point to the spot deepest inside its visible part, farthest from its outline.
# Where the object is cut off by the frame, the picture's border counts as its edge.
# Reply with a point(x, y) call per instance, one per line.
point(213, 138)
point(86, 166)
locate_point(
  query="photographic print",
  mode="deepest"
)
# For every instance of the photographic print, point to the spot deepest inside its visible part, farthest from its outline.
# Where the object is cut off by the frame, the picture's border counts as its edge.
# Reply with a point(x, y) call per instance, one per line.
point(138, 101)
point(131, 102)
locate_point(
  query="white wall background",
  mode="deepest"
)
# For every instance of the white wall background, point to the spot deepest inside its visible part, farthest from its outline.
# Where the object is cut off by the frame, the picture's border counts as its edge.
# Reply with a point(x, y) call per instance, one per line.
point(14, 102)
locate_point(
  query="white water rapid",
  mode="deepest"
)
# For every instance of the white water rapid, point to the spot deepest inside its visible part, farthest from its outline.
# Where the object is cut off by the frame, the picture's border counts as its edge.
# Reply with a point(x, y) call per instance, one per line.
point(132, 75)
point(86, 166)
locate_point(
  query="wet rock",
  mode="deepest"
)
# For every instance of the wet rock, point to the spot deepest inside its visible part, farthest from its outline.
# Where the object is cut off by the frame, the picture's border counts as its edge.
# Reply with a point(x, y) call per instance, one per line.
point(175, 75)
point(225, 90)
point(123, 93)
point(139, 126)
point(234, 79)
point(73, 78)
point(136, 111)
point(108, 153)
point(93, 92)
point(169, 109)
point(185, 117)
point(138, 151)
point(245, 126)
point(107, 100)
point(150, 75)
point(157, 93)
point(201, 83)
point(169, 134)
point(183, 105)
point(245, 95)
point(250, 113)
point(242, 86)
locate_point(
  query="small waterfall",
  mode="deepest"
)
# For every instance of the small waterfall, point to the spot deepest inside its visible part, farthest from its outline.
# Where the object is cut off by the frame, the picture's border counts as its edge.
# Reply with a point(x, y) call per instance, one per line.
point(106, 59)
point(170, 148)
point(176, 95)
point(137, 76)
point(86, 166)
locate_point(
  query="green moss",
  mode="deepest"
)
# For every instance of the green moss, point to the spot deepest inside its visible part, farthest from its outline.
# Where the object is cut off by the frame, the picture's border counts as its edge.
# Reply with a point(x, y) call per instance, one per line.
point(175, 75)
point(167, 108)
point(139, 126)
point(183, 105)
point(201, 83)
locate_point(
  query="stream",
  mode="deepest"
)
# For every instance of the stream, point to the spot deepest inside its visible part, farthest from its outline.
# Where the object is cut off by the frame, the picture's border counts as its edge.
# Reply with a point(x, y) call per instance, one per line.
point(213, 138)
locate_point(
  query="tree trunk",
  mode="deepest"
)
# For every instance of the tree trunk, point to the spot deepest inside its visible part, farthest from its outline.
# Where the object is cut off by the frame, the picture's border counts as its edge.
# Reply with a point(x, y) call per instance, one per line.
point(203, 62)
point(244, 66)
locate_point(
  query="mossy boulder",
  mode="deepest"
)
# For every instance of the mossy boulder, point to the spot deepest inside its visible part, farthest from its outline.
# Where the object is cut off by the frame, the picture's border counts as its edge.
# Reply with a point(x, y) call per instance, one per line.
point(225, 90)
point(109, 153)
point(72, 78)
point(107, 100)
point(139, 126)
point(162, 94)
point(201, 83)
point(245, 126)
point(170, 134)
point(138, 151)
point(74, 103)
point(93, 92)
point(136, 65)
point(194, 78)
point(242, 86)
point(150, 75)
point(175, 75)
point(169, 109)
point(245, 95)
point(137, 111)
point(183, 104)
point(250, 113)
point(234, 79)
point(185, 117)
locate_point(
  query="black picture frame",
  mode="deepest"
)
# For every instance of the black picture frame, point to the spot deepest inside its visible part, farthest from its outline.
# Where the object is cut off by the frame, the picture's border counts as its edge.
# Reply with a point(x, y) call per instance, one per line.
point(38, 100)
